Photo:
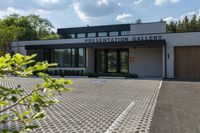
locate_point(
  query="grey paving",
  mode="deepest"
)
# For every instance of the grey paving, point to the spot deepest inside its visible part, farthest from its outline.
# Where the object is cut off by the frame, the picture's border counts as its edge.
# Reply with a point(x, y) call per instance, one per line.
point(178, 108)
point(98, 105)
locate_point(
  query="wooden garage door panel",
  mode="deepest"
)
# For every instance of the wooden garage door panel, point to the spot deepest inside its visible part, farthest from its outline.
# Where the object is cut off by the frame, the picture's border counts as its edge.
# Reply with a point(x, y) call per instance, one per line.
point(187, 63)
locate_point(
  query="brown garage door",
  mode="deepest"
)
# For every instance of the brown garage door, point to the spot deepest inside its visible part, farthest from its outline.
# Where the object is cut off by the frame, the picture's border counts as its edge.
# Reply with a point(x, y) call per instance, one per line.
point(187, 63)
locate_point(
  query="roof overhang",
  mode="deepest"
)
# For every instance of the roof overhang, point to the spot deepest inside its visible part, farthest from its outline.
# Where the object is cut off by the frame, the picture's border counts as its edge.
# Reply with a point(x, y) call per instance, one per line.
point(149, 43)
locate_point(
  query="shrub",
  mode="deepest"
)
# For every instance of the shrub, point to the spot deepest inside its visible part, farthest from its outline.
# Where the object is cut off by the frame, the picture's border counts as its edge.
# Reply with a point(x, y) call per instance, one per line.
point(81, 72)
point(46, 71)
point(77, 73)
point(92, 75)
point(55, 72)
point(61, 73)
point(131, 76)
point(50, 73)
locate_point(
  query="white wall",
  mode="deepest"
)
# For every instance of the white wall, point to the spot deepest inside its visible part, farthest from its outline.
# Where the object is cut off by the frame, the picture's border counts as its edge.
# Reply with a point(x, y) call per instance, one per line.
point(90, 61)
point(147, 62)
point(178, 39)
point(148, 28)
point(172, 40)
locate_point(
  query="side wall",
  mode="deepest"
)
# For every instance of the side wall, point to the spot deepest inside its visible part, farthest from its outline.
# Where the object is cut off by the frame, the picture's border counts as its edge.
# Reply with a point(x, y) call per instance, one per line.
point(147, 62)
point(90, 60)
point(178, 39)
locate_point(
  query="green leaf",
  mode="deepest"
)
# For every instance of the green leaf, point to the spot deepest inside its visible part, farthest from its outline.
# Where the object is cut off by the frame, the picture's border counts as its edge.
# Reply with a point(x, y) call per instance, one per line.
point(31, 127)
point(67, 89)
point(25, 113)
point(35, 96)
point(13, 99)
point(69, 82)
point(39, 115)
point(3, 103)
point(3, 117)
point(18, 58)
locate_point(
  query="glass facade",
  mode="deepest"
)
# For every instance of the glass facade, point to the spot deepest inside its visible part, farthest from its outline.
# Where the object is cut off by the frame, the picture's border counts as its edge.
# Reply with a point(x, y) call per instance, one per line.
point(81, 35)
point(70, 57)
point(124, 33)
point(112, 61)
point(81, 57)
point(92, 35)
point(39, 52)
point(115, 33)
point(62, 57)
point(102, 34)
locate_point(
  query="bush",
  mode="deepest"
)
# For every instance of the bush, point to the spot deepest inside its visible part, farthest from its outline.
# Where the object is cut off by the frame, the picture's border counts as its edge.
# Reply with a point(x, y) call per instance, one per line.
point(65, 72)
point(50, 73)
point(46, 71)
point(131, 76)
point(93, 75)
point(81, 72)
point(55, 72)
point(61, 73)
point(77, 73)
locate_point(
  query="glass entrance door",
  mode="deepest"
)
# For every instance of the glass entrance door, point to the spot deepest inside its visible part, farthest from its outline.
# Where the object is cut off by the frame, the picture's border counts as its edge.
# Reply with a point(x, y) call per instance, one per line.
point(112, 61)
point(124, 65)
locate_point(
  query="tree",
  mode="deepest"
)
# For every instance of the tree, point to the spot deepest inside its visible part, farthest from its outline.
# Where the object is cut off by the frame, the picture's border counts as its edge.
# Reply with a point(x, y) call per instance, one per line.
point(185, 25)
point(7, 35)
point(193, 23)
point(32, 27)
point(138, 21)
point(171, 27)
point(33, 102)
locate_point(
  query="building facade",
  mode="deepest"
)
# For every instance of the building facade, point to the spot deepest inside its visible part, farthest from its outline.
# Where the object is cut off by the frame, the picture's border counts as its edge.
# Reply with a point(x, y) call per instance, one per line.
point(144, 49)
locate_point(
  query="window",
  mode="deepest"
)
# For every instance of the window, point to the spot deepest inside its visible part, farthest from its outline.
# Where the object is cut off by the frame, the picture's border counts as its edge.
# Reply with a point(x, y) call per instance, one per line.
point(91, 34)
point(81, 35)
point(39, 52)
point(62, 57)
point(72, 57)
point(115, 33)
point(124, 33)
point(72, 36)
point(81, 57)
point(102, 34)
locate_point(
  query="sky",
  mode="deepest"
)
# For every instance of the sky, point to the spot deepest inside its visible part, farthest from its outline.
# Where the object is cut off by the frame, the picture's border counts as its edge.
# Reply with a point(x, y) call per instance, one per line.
point(77, 13)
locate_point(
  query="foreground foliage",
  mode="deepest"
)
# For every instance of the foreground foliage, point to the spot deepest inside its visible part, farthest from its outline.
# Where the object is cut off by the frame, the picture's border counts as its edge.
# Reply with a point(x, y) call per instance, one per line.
point(35, 101)
point(20, 28)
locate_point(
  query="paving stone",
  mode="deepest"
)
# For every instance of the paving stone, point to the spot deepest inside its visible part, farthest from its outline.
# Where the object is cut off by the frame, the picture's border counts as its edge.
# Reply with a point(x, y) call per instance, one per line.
point(97, 105)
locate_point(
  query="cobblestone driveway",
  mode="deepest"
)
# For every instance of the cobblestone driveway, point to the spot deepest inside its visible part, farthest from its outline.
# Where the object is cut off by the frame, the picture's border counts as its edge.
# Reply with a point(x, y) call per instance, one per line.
point(99, 105)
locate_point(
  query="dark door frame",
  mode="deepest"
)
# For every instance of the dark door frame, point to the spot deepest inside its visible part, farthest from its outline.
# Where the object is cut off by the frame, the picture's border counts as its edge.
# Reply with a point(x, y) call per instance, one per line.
point(118, 52)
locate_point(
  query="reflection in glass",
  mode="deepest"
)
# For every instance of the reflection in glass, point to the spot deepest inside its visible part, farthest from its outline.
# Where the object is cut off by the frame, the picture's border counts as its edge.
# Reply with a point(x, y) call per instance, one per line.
point(112, 61)
point(124, 61)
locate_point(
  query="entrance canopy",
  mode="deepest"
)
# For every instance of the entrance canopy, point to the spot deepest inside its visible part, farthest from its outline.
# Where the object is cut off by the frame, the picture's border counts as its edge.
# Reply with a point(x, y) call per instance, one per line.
point(129, 44)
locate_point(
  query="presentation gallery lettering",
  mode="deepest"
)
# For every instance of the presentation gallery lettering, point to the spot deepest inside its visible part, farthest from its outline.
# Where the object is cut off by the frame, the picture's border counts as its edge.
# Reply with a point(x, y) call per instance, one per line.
point(122, 39)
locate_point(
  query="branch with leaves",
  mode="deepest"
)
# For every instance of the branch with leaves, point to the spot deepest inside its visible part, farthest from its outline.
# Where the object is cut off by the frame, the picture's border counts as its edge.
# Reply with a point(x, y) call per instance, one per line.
point(39, 97)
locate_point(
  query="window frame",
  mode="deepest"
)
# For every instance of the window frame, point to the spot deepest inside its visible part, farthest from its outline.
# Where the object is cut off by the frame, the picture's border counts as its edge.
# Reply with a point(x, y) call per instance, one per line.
point(81, 34)
point(74, 64)
point(102, 32)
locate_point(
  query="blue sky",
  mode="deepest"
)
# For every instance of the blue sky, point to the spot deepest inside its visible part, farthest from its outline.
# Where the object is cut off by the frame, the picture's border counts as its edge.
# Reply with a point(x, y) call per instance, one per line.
point(74, 13)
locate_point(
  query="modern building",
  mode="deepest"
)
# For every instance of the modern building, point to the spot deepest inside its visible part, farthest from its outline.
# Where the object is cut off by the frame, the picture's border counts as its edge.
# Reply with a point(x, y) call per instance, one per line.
point(144, 49)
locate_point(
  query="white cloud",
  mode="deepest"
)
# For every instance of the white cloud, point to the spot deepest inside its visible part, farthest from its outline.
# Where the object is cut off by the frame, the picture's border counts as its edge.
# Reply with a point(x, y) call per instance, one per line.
point(189, 15)
point(82, 15)
point(161, 2)
point(169, 19)
point(11, 10)
point(49, 1)
point(138, 1)
point(102, 2)
point(94, 9)
point(124, 17)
